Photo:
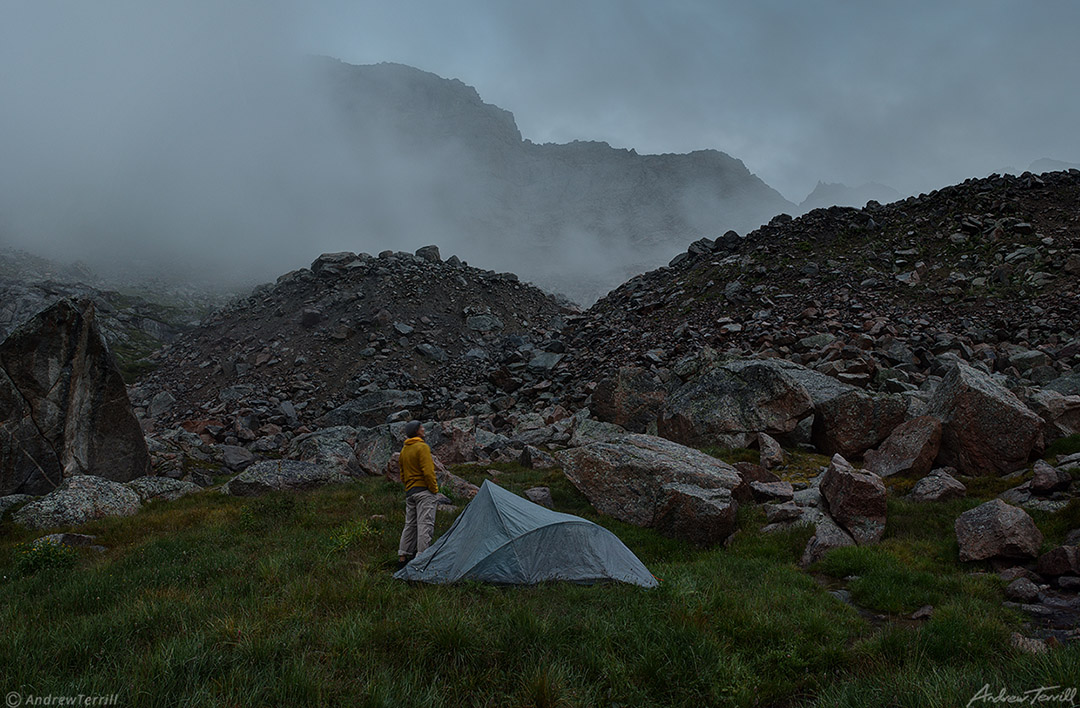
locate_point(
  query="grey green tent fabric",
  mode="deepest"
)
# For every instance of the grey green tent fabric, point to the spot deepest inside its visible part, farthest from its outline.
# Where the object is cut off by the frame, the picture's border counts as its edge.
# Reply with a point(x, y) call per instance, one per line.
point(503, 538)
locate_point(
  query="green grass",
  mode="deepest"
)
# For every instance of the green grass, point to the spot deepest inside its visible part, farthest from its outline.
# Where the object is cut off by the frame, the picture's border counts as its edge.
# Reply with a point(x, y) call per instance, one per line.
point(289, 600)
point(1064, 446)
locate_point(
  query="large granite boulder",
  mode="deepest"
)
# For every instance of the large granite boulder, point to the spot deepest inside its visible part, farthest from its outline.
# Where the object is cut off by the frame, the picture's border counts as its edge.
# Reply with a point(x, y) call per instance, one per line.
point(652, 482)
point(910, 449)
point(856, 500)
point(332, 448)
point(64, 410)
point(77, 500)
point(996, 529)
point(986, 430)
point(939, 485)
point(281, 475)
point(729, 404)
point(633, 399)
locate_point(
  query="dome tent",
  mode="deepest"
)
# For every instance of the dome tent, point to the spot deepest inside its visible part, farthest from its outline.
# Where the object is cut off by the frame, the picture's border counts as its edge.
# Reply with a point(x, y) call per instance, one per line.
point(503, 538)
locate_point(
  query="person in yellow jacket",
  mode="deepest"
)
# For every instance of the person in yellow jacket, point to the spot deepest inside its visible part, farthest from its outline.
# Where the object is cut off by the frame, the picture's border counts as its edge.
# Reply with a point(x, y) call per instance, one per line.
point(418, 476)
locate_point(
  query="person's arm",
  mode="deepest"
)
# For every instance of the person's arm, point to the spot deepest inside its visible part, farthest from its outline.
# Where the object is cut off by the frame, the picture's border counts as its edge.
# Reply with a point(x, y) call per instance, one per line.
point(428, 466)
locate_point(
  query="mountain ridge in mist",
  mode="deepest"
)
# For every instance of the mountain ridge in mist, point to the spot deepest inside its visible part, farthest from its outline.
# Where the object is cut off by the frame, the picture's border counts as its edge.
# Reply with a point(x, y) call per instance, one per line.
point(578, 218)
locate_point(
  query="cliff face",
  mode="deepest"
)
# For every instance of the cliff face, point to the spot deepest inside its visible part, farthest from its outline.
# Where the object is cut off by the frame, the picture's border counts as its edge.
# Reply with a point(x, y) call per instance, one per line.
point(578, 218)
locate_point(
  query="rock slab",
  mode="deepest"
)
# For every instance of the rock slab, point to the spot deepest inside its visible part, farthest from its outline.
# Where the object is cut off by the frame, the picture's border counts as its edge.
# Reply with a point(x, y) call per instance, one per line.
point(63, 405)
point(77, 500)
point(856, 500)
point(652, 482)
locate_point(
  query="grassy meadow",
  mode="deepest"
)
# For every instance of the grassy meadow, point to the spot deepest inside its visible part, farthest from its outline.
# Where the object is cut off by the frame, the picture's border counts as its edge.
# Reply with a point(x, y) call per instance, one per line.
point(289, 600)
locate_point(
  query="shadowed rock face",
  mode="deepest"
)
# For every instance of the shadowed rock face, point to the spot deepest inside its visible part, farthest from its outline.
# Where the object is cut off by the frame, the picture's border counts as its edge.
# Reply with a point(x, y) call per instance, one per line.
point(64, 410)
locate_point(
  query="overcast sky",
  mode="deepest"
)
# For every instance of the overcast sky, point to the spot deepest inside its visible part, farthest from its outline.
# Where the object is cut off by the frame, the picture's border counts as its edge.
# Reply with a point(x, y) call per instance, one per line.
point(915, 95)
point(123, 118)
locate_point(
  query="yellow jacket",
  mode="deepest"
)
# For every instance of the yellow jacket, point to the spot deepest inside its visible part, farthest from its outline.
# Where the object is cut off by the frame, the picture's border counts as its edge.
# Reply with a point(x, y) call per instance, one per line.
point(417, 467)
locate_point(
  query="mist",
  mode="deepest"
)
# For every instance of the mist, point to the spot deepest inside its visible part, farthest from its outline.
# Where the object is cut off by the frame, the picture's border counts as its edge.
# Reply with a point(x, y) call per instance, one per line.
point(195, 137)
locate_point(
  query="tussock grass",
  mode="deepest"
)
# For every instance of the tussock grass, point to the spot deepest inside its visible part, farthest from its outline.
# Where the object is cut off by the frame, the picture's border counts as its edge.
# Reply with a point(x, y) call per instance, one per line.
point(289, 600)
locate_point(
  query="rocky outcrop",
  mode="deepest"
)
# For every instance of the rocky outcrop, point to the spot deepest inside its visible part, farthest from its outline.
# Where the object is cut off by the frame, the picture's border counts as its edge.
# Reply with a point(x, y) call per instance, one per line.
point(281, 475)
point(986, 430)
point(77, 500)
point(731, 403)
point(996, 529)
point(652, 482)
point(63, 405)
point(910, 449)
point(856, 500)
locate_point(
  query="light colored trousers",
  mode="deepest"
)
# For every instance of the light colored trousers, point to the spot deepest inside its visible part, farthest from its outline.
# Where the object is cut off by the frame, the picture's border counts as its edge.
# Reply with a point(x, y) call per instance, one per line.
point(419, 523)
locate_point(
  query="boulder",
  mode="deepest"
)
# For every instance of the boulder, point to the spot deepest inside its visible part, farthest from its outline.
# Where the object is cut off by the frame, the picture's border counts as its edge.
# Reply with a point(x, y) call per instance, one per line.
point(777, 513)
point(536, 459)
point(374, 447)
point(729, 404)
point(371, 409)
point(996, 529)
point(854, 421)
point(541, 496)
point(1063, 560)
point(633, 398)
point(652, 482)
point(1022, 590)
point(772, 491)
point(827, 536)
point(856, 500)
point(986, 430)
point(64, 409)
point(939, 485)
point(454, 441)
point(164, 488)
point(587, 430)
point(1060, 413)
point(281, 475)
point(910, 449)
point(77, 500)
point(331, 448)
point(772, 455)
point(847, 420)
point(237, 458)
point(1048, 479)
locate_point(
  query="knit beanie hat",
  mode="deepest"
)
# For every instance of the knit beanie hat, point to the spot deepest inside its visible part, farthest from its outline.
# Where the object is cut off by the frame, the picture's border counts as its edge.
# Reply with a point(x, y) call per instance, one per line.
point(411, 427)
